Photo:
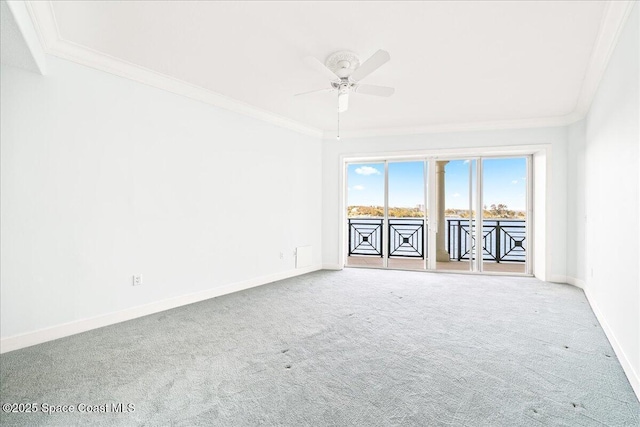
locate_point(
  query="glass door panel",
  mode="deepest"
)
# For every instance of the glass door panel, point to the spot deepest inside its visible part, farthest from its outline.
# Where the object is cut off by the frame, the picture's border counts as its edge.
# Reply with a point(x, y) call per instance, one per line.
point(365, 214)
point(504, 193)
point(407, 236)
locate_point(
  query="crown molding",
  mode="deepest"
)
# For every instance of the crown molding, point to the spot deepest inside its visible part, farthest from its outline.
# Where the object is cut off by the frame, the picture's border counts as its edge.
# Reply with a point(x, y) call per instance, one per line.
point(29, 34)
point(611, 25)
point(44, 19)
point(613, 21)
point(555, 121)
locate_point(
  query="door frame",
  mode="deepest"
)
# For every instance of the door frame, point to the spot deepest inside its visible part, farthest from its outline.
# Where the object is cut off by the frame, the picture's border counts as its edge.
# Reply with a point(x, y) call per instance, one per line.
point(538, 174)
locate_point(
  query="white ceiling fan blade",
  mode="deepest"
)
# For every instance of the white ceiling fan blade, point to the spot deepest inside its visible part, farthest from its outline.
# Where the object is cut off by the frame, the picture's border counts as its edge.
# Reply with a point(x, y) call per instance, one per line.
point(327, 89)
point(320, 67)
point(375, 90)
point(343, 102)
point(376, 61)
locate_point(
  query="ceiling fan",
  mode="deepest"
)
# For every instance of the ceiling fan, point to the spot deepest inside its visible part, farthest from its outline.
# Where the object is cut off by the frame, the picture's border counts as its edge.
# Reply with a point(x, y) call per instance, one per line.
point(344, 71)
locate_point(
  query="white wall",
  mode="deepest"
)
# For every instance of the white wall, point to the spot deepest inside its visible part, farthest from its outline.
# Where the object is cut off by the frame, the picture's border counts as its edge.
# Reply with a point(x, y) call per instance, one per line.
point(604, 211)
point(332, 150)
point(576, 199)
point(103, 178)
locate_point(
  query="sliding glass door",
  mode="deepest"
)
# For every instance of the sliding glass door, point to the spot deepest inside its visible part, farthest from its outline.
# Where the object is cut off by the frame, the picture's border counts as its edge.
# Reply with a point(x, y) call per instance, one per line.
point(387, 215)
point(366, 189)
point(446, 214)
point(504, 214)
point(406, 215)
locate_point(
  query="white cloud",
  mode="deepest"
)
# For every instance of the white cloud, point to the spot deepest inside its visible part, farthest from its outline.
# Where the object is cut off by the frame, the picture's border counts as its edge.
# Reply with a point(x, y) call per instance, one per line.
point(515, 181)
point(466, 162)
point(358, 187)
point(367, 170)
point(456, 194)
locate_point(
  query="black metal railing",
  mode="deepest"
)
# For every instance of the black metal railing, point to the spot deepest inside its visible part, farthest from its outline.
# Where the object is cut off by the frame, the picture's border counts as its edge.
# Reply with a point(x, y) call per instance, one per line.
point(502, 240)
point(365, 236)
point(406, 237)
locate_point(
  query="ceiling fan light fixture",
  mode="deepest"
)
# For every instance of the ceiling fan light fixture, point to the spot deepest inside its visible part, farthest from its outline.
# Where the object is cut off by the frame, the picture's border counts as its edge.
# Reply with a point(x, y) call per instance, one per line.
point(343, 101)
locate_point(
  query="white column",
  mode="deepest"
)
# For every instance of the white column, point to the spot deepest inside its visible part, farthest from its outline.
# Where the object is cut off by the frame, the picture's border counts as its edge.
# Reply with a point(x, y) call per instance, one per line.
point(441, 249)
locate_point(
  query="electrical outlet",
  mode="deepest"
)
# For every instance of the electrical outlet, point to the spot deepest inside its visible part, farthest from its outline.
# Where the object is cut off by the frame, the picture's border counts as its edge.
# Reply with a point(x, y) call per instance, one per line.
point(137, 280)
point(281, 255)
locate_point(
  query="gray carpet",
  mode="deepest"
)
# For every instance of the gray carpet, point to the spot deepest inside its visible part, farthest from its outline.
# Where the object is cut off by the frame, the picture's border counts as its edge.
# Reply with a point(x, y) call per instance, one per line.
point(349, 348)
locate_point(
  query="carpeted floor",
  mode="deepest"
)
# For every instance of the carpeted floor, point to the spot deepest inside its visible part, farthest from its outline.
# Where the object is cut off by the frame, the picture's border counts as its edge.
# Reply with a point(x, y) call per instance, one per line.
point(346, 348)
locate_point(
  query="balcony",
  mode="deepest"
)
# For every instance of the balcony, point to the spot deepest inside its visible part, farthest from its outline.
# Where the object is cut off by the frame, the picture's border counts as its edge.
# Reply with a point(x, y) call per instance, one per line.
point(503, 244)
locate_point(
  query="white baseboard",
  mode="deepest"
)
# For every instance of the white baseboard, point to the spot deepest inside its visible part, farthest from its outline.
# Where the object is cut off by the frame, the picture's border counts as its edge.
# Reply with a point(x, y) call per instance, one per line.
point(632, 375)
point(332, 267)
point(556, 278)
point(59, 331)
point(579, 283)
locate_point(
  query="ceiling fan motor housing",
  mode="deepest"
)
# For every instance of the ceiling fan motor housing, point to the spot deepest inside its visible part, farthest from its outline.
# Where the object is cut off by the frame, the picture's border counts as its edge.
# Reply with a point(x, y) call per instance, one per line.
point(343, 63)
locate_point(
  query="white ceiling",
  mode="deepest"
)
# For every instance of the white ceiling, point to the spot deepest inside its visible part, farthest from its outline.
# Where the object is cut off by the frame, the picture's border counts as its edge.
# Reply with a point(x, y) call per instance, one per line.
point(452, 63)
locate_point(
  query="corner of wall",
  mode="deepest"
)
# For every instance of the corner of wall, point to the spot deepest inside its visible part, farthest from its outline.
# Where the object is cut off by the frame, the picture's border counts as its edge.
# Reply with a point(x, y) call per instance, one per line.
point(578, 283)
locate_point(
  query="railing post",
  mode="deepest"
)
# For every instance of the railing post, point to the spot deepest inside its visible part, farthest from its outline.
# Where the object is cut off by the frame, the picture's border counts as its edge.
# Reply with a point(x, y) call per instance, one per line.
point(449, 236)
point(498, 257)
point(388, 235)
point(349, 226)
point(424, 241)
point(382, 237)
point(459, 240)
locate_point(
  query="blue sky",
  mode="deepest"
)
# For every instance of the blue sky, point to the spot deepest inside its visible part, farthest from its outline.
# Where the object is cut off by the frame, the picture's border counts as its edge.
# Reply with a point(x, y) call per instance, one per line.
point(504, 182)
